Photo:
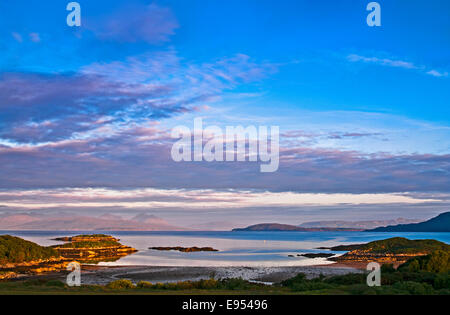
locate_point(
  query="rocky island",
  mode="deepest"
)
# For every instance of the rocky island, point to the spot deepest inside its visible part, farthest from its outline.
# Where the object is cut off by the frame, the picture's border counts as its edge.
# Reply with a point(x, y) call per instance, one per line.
point(316, 255)
point(186, 249)
point(93, 248)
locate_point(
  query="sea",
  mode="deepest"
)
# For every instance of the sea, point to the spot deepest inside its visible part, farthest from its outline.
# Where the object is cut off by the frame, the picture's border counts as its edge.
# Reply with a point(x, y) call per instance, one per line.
point(235, 249)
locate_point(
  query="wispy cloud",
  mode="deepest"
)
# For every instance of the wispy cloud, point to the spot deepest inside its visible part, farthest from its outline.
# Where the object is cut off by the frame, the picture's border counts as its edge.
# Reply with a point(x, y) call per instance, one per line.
point(438, 74)
point(141, 158)
point(55, 106)
point(17, 37)
point(35, 37)
point(192, 198)
point(382, 61)
point(395, 63)
point(132, 23)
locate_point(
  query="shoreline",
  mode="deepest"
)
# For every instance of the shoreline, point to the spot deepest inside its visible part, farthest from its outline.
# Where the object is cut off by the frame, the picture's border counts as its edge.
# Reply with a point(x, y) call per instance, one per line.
point(101, 275)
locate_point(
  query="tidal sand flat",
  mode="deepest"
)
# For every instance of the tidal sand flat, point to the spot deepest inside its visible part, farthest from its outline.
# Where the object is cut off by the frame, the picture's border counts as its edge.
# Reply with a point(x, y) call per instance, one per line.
point(154, 274)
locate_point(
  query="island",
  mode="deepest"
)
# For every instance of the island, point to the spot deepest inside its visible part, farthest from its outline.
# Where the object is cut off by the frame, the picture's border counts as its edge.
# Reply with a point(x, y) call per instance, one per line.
point(186, 249)
point(93, 248)
point(316, 255)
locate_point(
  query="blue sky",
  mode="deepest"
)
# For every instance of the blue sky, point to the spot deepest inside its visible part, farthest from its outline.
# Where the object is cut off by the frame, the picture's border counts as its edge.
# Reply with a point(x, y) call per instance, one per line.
point(361, 109)
point(310, 39)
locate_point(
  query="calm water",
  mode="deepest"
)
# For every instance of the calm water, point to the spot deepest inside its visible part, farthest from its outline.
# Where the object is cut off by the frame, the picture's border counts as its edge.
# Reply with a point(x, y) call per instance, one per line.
point(235, 248)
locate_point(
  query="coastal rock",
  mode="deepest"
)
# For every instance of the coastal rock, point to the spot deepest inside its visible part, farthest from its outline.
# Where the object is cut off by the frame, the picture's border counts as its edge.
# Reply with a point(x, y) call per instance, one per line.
point(186, 249)
point(343, 248)
point(316, 255)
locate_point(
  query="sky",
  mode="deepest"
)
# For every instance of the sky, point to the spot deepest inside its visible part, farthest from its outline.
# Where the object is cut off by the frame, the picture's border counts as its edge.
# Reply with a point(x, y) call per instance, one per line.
point(86, 112)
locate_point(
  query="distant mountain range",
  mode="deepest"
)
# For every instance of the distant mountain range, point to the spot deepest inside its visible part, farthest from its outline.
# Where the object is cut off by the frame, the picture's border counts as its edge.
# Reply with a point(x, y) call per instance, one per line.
point(107, 222)
point(441, 223)
point(287, 227)
point(364, 225)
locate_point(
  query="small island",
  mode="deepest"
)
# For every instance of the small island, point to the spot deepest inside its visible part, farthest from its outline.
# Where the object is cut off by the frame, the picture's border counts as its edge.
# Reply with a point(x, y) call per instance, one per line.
point(316, 255)
point(186, 249)
point(93, 248)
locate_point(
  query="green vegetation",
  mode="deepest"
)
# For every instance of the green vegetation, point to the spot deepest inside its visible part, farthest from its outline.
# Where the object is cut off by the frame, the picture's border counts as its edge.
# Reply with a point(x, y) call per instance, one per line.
point(210, 284)
point(89, 244)
point(421, 275)
point(91, 235)
point(392, 283)
point(230, 286)
point(400, 245)
point(16, 250)
point(437, 262)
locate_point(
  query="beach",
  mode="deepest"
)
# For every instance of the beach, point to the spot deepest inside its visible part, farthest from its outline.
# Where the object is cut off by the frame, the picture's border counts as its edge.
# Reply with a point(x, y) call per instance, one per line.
point(101, 275)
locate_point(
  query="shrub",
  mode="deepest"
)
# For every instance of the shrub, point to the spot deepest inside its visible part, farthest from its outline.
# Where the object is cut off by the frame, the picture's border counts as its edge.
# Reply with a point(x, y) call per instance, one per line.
point(235, 284)
point(348, 279)
point(387, 268)
point(144, 285)
point(120, 284)
point(416, 288)
point(442, 281)
point(437, 262)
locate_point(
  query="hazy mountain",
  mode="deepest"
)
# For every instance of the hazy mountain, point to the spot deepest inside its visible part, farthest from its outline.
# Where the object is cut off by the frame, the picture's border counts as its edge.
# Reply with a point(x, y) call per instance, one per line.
point(108, 216)
point(213, 226)
point(441, 223)
point(16, 220)
point(287, 227)
point(365, 225)
point(149, 219)
point(142, 222)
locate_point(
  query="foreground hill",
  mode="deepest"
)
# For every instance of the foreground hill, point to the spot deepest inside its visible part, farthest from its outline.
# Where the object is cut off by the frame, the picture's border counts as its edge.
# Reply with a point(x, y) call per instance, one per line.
point(18, 256)
point(441, 223)
point(392, 250)
point(16, 250)
point(287, 227)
